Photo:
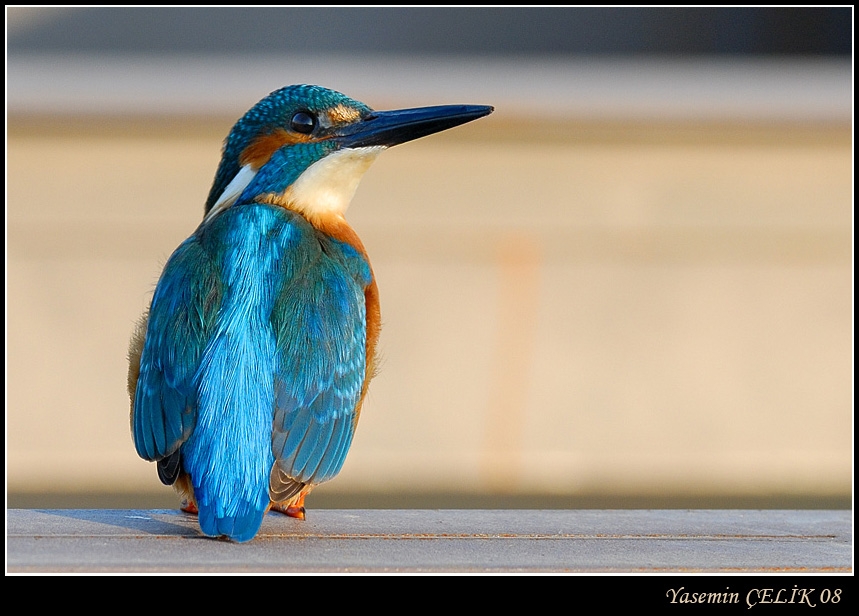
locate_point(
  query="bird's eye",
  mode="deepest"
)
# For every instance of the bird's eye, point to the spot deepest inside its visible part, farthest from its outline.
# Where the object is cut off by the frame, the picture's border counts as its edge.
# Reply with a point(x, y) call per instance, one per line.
point(303, 122)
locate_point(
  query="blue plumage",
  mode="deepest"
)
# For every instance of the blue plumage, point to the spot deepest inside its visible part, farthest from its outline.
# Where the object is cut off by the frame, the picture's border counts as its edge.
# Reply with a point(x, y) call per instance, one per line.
point(248, 373)
point(238, 381)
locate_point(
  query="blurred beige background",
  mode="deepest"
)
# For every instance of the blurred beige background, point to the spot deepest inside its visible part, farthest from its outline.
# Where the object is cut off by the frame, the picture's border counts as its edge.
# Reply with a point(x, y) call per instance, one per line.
point(578, 306)
point(558, 317)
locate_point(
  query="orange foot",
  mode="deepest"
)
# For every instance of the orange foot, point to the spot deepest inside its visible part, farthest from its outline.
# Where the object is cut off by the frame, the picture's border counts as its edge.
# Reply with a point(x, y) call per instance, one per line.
point(295, 510)
point(189, 507)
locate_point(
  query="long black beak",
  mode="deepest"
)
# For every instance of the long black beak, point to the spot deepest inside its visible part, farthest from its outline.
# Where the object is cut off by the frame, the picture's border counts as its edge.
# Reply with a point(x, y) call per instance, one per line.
point(388, 128)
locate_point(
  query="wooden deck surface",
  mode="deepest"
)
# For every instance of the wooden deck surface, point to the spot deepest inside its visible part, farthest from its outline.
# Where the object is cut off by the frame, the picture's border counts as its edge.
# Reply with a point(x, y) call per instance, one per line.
point(482, 541)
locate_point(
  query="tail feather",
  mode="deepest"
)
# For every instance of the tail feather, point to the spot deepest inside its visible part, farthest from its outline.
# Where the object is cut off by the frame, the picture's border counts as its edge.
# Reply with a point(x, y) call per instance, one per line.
point(169, 467)
point(241, 526)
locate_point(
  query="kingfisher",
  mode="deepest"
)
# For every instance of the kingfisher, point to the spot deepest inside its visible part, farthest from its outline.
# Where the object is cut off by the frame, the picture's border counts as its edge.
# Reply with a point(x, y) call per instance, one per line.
point(249, 369)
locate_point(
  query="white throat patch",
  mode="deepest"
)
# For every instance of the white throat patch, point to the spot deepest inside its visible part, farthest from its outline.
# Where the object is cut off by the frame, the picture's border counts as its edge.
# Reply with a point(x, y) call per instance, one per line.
point(328, 185)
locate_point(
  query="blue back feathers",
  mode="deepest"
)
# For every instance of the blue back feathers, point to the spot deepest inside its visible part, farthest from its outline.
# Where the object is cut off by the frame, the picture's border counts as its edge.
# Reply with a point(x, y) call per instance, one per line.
point(254, 362)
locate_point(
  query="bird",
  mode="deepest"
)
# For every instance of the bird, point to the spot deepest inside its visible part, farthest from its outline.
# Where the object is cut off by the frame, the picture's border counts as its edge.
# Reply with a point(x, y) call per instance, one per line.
point(248, 371)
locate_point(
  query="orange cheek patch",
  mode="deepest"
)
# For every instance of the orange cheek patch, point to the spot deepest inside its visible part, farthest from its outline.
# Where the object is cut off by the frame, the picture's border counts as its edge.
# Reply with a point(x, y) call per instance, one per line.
point(341, 114)
point(261, 148)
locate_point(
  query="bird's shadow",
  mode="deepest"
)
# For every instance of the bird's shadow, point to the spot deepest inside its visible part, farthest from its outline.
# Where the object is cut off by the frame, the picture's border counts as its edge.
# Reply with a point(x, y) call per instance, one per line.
point(146, 521)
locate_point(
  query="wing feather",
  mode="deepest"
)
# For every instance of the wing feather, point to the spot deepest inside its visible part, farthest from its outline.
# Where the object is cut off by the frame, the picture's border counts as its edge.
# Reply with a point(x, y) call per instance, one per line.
point(177, 329)
point(320, 328)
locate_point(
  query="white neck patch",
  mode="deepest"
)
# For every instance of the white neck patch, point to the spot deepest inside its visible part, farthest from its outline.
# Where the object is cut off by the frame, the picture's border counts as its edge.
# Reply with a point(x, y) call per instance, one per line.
point(232, 192)
point(328, 185)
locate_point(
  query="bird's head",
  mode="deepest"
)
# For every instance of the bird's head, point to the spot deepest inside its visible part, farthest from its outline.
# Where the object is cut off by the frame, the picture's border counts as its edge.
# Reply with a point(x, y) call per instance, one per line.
point(306, 147)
